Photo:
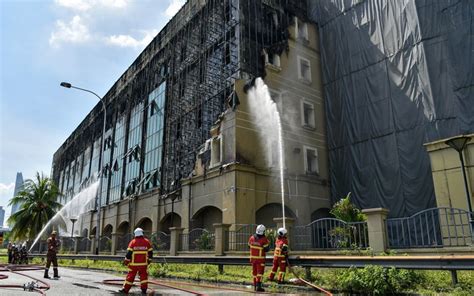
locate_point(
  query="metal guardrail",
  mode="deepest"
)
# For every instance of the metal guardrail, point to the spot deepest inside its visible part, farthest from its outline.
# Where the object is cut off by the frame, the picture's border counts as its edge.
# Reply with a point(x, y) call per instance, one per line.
point(451, 262)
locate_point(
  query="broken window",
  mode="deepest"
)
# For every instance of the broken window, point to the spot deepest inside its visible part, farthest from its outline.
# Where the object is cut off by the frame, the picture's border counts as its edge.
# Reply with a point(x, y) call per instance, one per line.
point(304, 69)
point(301, 30)
point(154, 109)
point(216, 151)
point(311, 160)
point(307, 112)
point(274, 59)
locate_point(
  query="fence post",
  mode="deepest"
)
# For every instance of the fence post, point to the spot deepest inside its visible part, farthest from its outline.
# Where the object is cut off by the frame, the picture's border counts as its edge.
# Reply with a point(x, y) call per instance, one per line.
point(175, 236)
point(76, 244)
point(113, 249)
point(220, 242)
point(288, 224)
point(377, 229)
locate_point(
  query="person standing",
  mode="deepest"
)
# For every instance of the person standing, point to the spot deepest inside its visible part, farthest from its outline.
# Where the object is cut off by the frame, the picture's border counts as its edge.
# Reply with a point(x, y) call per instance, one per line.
point(53, 247)
point(138, 257)
point(259, 245)
point(10, 252)
point(280, 256)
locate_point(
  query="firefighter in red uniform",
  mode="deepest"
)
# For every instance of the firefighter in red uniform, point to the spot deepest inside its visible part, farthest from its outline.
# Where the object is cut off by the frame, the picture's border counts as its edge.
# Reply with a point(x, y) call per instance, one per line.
point(259, 245)
point(280, 256)
point(138, 257)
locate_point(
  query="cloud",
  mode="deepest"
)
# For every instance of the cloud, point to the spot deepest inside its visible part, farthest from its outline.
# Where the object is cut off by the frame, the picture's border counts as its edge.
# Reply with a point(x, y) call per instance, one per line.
point(73, 32)
point(81, 5)
point(129, 41)
point(174, 7)
point(84, 5)
point(6, 188)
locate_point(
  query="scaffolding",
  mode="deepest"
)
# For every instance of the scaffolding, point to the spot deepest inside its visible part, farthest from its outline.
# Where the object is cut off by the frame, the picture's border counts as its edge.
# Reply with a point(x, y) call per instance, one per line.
point(198, 54)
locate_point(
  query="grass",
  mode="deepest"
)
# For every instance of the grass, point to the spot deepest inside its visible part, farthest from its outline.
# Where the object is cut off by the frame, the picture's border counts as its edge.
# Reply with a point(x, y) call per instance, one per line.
point(420, 282)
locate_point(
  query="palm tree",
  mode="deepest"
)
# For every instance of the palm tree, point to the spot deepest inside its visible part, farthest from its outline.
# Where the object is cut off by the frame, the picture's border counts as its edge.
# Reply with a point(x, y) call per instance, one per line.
point(38, 206)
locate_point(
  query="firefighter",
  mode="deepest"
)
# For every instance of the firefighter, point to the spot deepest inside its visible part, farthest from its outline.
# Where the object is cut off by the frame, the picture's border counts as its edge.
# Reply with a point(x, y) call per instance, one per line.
point(53, 247)
point(138, 257)
point(280, 256)
point(10, 252)
point(259, 245)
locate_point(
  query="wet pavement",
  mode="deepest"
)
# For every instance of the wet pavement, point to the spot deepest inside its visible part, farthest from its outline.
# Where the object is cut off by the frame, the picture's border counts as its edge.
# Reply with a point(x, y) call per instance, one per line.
point(87, 282)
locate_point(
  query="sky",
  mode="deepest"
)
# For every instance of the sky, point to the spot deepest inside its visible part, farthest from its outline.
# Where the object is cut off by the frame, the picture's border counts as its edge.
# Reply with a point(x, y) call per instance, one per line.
point(88, 43)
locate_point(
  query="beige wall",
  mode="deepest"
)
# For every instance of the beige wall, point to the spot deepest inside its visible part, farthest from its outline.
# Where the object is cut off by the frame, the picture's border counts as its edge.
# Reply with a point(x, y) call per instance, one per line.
point(447, 175)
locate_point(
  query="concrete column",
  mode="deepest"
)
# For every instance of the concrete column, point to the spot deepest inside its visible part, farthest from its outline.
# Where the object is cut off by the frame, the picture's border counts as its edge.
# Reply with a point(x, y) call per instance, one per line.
point(175, 240)
point(220, 242)
point(114, 238)
point(93, 243)
point(288, 224)
point(376, 228)
point(76, 244)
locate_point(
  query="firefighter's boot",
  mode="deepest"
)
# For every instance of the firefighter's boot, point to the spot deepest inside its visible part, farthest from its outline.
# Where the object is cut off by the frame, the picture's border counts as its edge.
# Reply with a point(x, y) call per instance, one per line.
point(259, 288)
point(56, 276)
point(46, 275)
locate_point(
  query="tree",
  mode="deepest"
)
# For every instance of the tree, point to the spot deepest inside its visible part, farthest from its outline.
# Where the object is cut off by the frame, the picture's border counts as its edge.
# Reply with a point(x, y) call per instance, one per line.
point(346, 211)
point(38, 206)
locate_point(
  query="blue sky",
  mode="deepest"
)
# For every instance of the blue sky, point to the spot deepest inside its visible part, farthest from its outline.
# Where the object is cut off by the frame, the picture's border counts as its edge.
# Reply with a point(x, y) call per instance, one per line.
point(89, 43)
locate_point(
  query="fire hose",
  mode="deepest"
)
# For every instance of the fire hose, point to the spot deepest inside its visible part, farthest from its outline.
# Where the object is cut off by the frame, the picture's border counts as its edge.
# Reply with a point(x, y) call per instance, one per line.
point(305, 281)
point(32, 286)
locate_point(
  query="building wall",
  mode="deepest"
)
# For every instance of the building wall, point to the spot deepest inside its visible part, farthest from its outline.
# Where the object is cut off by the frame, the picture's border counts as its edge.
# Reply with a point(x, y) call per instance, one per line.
point(230, 181)
point(447, 175)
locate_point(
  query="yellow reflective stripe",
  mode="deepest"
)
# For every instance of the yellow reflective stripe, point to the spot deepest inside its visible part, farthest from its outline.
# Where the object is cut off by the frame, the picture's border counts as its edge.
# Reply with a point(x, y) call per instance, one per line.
point(255, 247)
point(150, 249)
point(140, 252)
point(138, 264)
point(259, 274)
point(265, 245)
point(128, 283)
point(257, 257)
point(129, 249)
point(144, 282)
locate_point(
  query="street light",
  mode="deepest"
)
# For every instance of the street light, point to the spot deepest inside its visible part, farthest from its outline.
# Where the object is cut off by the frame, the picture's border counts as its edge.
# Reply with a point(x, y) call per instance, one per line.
point(68, 85)
point(458, 144)
point(73, 220)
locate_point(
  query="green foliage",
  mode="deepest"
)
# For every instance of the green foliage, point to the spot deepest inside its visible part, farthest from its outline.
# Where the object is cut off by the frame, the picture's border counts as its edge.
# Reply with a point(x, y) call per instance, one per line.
point(347, 211)
point(375, 280)
point(271, 235)
point(38, 206)
point(204, 242)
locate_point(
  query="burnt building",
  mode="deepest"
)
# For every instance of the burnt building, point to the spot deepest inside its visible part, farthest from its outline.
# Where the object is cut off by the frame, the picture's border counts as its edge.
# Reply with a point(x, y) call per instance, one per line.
point(180, 148)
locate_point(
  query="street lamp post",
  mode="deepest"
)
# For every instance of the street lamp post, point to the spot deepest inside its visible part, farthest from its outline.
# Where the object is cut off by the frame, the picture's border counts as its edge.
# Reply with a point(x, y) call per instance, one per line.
point(101, 161)
point(458, 144)
point(73, 220)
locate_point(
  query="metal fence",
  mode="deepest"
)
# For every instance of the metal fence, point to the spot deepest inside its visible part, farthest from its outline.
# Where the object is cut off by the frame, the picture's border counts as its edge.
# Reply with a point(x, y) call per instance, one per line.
point(330, 233)
point(238, 240)
point(160, 241)
point(67, 244)
point(435, 227)
point(123, 241)
point(40, 247)
point(105, 244)
point(84, 245)
point(198, 239)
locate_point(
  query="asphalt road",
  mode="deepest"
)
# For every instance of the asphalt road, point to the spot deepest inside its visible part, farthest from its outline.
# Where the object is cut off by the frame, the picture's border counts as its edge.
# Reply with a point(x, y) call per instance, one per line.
point(87, 282)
